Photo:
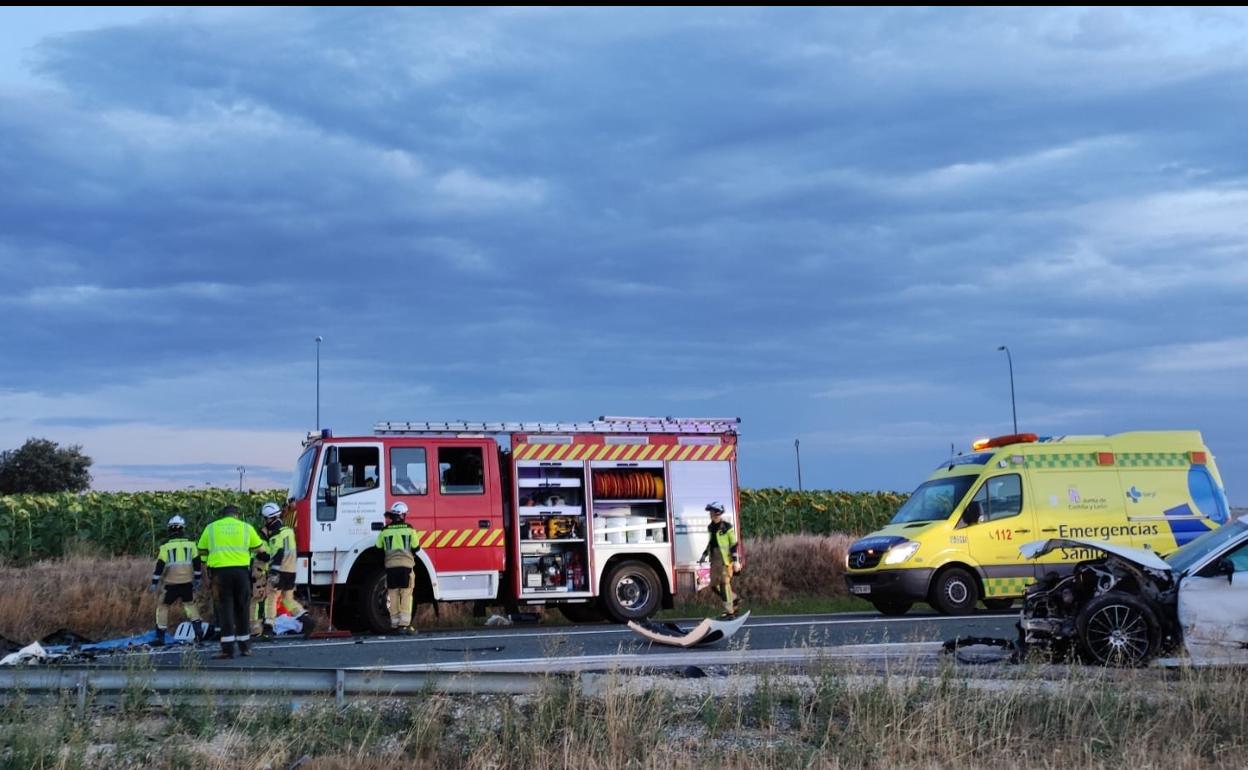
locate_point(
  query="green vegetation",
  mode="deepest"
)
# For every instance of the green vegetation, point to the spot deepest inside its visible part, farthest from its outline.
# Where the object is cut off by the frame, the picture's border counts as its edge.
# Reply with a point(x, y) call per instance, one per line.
point(44, 526)
point(779, 511)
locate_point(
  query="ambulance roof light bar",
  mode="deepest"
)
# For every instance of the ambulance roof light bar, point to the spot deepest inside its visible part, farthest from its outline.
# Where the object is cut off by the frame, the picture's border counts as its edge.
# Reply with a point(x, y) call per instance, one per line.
point(1000, 441)
point(602, 425)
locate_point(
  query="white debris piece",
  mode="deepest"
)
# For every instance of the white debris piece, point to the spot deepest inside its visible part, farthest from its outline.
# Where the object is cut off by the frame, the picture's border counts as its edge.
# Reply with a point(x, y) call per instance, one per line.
point(498, 620)
point(31, 652)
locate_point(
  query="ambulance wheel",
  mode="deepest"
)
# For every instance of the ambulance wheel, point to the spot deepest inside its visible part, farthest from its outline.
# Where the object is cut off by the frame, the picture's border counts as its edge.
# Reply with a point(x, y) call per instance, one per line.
point(892, 606)
point(954, 592)
point(582, 613)
point(998, 604)
point(631, 592)
point(1117, 629)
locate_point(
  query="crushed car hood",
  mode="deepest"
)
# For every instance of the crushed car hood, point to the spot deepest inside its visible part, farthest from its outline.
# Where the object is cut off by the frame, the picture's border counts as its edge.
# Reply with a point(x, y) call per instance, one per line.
point(1137, 556)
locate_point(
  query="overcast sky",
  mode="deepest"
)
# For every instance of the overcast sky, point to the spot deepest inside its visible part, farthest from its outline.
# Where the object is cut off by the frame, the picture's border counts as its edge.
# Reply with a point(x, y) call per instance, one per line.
point(822, 221)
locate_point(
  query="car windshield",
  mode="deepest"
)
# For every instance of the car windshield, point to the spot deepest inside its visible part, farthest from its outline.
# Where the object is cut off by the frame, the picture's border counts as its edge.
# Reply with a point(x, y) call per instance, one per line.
point(935, 500)
point(303, 473)
point(1182, 559)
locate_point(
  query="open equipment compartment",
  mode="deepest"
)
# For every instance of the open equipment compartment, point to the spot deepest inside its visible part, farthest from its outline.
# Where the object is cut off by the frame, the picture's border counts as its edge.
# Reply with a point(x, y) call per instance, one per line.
point(629, 503)
point(551, 527)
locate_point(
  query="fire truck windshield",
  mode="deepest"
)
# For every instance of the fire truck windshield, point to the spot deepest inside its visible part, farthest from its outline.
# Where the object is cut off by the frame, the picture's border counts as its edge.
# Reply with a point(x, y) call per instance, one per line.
point(303, 474)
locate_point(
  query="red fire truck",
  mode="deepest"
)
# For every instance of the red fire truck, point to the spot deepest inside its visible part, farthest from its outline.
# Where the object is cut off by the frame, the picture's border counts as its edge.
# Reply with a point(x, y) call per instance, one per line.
point(604, 519)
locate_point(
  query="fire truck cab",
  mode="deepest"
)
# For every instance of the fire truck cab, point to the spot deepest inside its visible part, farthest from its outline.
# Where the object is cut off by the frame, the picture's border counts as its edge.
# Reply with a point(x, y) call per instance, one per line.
point(604, 518)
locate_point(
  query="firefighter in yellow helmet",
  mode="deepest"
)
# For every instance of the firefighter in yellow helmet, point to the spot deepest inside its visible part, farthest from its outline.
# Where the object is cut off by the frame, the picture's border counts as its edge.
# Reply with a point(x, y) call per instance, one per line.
point(229, 542)
point(280, 544)
point(722, 552)
point(399, 544)
point(178, 563)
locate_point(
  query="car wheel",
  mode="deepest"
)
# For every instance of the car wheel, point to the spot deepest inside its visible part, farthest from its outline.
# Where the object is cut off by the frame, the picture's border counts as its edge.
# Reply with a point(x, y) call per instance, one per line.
point(998, 604)
point(955, 592)
point(582, 613)
point(631, 592)
point(1117, 629)
point(892, 606)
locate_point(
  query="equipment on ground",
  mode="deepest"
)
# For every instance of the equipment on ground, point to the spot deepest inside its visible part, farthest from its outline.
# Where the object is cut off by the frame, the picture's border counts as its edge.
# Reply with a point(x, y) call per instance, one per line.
point(707, 632)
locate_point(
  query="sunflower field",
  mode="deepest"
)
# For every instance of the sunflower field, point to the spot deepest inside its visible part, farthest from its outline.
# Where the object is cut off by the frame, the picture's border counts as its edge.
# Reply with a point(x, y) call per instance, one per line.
point(34, 527)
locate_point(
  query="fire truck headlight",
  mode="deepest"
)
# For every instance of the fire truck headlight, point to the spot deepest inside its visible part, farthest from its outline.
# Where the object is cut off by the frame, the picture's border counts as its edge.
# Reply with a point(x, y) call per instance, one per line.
point(901, 552)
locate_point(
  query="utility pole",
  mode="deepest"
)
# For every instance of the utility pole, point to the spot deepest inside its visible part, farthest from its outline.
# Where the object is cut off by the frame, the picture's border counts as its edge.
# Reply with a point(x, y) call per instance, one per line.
point(318, 382)
point(1013, 408)
point(797, 447)
point(241, 471)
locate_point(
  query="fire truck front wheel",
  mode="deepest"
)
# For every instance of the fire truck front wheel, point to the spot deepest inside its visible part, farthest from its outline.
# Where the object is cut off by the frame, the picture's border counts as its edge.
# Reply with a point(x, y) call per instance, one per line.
point(632, 591)
point(373, 609)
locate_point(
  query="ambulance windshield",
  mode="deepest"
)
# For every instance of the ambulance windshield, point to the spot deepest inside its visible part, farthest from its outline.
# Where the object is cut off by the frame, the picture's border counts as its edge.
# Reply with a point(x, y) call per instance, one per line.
point(935, 499)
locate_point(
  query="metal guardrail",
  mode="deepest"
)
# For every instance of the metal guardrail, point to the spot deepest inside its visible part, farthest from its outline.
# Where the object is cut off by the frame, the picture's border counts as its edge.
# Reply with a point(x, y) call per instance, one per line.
point(162, 685)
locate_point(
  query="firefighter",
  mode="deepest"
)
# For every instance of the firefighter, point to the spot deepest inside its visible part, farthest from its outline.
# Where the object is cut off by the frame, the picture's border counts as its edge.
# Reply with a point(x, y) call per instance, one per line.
point(280, 543)
point(229, 543)
point(177, 562)
point(722, 552)
point(399, 543)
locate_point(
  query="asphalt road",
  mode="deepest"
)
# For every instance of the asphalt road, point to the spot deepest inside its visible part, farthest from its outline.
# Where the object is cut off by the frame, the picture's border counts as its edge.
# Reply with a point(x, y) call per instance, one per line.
point(603, 646)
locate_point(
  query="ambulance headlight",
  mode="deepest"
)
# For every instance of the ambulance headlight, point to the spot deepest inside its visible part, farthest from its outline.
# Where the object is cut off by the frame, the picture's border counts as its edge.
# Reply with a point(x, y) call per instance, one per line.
point(900, 552)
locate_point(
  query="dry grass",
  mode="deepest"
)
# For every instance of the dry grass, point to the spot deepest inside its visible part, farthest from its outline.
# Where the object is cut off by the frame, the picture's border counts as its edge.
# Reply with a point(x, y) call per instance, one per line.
point(102, 597)
point(1086, 718)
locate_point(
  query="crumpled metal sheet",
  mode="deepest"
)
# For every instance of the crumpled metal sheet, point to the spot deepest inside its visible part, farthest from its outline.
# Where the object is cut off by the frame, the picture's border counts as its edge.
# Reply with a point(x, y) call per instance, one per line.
point(706, 632)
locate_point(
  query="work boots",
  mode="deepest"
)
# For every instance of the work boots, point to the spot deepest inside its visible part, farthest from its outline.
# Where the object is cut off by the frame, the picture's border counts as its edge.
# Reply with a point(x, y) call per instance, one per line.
point(159, 641)
point(198, 627)
point(267, 632)
point(244, 648)
point(226, 653)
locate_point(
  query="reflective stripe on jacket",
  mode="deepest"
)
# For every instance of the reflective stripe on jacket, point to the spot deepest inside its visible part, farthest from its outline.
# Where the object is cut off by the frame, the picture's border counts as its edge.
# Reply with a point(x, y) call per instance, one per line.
point(282, 546)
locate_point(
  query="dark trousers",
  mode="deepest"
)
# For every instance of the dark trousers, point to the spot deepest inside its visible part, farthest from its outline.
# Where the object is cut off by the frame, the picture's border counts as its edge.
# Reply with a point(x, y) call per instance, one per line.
point(231, 593)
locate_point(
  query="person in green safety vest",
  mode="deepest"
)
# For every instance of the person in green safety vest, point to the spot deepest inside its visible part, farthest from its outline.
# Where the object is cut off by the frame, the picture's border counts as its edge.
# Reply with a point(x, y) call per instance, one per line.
point(722, 552)
point(178, 563)
point(400, 545)
point(229, 542)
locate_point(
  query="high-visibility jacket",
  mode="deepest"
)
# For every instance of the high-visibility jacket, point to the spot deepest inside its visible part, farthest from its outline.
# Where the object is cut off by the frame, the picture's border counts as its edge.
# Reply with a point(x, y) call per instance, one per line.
point(229, 542)
point(723, 542)
point(281, 547)
point(399, 543)
point(178, 561)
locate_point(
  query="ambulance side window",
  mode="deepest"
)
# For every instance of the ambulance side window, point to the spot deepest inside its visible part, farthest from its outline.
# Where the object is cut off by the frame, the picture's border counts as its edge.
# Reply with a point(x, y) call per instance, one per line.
point(999, 497)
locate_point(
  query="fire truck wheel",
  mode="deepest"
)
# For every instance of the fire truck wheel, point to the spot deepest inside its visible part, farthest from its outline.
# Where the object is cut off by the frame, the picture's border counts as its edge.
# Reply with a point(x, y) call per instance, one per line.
point(373, 609)
point(582, 613)
point(631, 592)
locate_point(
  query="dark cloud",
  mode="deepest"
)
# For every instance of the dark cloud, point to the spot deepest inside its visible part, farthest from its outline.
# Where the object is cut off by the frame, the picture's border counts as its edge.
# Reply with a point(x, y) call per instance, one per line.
point(825, 221)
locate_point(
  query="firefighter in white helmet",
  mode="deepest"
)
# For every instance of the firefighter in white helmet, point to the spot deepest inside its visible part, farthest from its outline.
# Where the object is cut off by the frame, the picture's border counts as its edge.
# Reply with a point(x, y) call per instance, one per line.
point(177, 561)
point(722, 551)
point(399, 543)
point(283, 558)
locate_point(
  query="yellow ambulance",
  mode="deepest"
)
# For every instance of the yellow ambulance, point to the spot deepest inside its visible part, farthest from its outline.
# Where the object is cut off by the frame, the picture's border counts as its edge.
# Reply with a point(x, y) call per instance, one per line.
point(955, 541)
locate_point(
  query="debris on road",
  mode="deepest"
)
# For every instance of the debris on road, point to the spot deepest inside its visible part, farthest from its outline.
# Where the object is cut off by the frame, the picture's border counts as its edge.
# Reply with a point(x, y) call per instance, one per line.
point(707, 632)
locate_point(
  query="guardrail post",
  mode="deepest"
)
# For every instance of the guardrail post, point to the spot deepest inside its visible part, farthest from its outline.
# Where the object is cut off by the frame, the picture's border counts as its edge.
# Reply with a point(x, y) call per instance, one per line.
point(82, 694)
point(340, 686)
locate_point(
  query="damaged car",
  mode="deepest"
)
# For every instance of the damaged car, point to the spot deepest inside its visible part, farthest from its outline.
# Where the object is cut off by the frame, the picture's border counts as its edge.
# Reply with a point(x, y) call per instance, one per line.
point(1131, 605)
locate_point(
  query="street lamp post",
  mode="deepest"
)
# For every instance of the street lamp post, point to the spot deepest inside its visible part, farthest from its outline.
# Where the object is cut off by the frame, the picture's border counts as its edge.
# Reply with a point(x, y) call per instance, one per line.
point(241, 471)
point(318, 383)
point(1013, 408)
point(797, 448)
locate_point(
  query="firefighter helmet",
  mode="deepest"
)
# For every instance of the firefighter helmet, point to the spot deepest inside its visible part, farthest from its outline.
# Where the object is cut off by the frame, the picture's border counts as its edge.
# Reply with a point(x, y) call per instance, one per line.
point(398, 511)
point(715, 509)
point(270, 511)
point(176, 525)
